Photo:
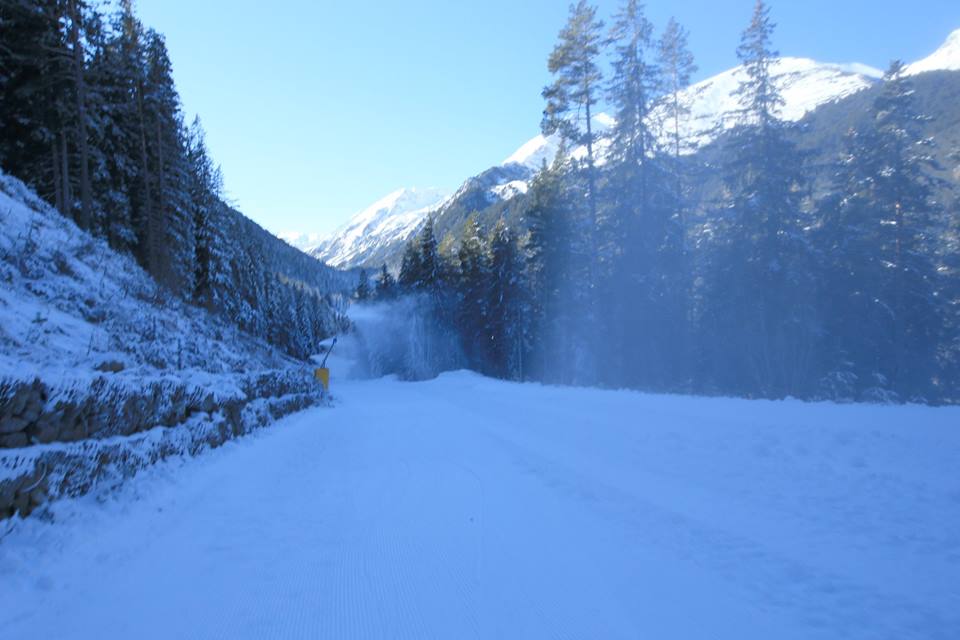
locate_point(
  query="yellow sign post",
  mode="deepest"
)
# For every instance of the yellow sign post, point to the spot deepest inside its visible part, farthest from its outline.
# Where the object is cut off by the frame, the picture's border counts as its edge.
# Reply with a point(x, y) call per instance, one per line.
point(323, 375)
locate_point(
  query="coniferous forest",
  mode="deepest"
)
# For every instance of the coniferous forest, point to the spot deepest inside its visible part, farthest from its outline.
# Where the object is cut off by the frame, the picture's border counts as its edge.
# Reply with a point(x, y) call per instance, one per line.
point(752, 266)
point(788, 275)
point(92, 122)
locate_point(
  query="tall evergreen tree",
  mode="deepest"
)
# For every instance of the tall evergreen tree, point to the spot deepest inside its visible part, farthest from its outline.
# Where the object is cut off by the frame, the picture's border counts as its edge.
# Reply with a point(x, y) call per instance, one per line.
point(386, 285)
point(432, 270)
point(507, 329)
point(205, 187)
point(635, 84)
point(473, 282)
point(549, 265)
point(169, 230)
point(878, 233)
point(576, 88)
point(760, 289)
point(676, 68)
point(362, 292)
point(410, 269)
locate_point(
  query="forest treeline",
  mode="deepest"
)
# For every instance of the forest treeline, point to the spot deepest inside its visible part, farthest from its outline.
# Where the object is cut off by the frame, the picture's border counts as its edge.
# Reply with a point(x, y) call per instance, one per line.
point(92, 121)
point(619, 276)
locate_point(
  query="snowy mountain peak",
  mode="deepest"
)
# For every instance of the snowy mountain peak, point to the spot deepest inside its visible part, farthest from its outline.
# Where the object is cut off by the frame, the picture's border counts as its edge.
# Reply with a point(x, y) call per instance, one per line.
point(535, 151)
point(805, 84)
point(391, 219)
point(300, 239)
point(946, 58)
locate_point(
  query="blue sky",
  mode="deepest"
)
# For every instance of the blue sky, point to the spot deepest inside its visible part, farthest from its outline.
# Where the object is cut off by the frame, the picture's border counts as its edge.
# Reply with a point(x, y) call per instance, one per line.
point(315, 108)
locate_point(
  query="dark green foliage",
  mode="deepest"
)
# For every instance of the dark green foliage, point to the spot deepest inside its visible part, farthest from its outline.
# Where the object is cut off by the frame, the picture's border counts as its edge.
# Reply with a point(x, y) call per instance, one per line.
point(386, 287)
point(473, 283)
point(362, 292)
point(881, 255)
point(758, 266)
point(92, 121)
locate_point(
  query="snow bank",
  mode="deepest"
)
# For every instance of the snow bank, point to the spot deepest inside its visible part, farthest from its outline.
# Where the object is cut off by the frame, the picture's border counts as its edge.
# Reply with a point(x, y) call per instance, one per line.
point(91, 348)
point(464, 507)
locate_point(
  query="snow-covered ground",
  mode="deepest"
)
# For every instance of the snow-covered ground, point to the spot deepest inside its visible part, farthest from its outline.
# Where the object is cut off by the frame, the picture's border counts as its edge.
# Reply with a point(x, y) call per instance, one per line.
point(469, 508)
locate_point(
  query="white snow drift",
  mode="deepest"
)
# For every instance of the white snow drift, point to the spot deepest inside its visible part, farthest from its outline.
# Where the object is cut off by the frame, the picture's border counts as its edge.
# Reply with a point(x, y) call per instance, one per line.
point(470, 508)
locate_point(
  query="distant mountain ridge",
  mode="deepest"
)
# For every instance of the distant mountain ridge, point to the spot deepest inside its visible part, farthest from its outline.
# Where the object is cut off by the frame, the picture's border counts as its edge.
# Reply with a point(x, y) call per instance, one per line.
point(377, 234)
point(385, 223)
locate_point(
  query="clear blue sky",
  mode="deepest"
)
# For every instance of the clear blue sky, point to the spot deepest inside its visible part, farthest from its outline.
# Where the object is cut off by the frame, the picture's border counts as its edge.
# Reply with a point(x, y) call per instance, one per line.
point(316, 108)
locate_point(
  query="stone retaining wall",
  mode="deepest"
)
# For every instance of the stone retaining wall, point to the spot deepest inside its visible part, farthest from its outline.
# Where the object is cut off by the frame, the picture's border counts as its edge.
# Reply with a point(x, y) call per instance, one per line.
point(111, 431)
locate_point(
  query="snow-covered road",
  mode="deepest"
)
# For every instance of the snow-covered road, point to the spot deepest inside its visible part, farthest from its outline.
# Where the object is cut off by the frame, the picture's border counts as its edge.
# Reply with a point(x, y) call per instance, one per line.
point(468, 508)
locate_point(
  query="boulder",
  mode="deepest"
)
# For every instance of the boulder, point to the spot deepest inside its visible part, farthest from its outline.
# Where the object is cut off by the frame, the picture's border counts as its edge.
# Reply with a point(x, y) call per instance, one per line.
point(13, 440)
point(13, 424)
point(110, 366)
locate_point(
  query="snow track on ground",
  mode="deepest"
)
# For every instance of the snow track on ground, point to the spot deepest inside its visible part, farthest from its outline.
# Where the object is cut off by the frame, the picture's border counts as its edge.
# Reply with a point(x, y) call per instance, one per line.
point(469, 508)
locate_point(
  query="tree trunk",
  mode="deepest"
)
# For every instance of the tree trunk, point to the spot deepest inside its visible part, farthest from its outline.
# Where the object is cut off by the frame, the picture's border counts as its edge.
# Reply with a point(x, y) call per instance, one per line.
point(150, 256)
point(159, 224)
point(65, 176)
point(85, 214)
point(55, 165)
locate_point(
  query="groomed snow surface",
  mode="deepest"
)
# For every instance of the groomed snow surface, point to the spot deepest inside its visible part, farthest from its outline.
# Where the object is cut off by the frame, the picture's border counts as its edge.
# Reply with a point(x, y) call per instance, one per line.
point(470, 508)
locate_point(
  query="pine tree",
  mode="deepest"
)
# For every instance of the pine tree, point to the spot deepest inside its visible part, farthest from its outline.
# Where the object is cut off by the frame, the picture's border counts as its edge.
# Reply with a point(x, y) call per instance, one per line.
point(637, 257)
point(677, 67)
point(634, 86)
point(432, 271)
point(205, 187)
point(74, 11)
point(760, 98)
point(410, 268)
point(507, 329)
point(473, 282)
point(760, 293)
point(549, 265)
point(386, 285)
point(877, 233)
point(362, 292)
point(576, 88)
point(169, 229)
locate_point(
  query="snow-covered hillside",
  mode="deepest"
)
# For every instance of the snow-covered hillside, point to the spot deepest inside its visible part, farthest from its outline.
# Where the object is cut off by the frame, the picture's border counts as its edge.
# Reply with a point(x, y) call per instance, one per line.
point(465, 507)
point(946, 58)
point(103, 371)
point(386, 223)
point(302, 241)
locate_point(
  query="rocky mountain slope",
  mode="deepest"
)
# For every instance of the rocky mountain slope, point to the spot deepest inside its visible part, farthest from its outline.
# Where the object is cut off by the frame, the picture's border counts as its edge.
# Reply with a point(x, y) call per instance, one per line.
point(371, 233)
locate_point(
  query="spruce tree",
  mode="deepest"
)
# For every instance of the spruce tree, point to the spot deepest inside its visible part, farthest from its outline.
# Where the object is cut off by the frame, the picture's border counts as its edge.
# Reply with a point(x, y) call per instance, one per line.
point(634, 85)
point(878, 234)
point(549, 265)
point(410, 268)
point(576, 88)
point(431, 265)
point(473, 282)
point(362, 292)
point(507, 329)
point(676, 67)
point(386, 285)
point(759, 307)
